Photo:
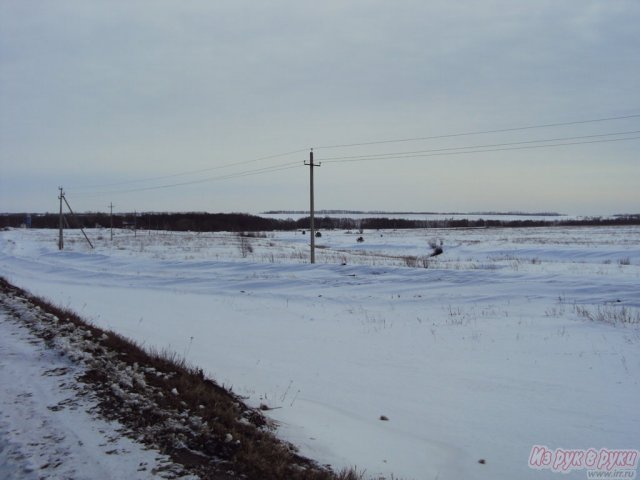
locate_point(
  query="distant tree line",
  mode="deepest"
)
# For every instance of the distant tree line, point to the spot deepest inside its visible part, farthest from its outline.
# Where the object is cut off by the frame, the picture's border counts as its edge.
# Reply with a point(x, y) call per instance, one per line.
point(206, 222)
point(242, 222)
point(382, 213)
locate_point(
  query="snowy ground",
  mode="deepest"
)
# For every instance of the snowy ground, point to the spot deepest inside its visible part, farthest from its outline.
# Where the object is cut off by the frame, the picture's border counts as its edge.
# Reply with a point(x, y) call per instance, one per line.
point(46, 430)
point(511, 338)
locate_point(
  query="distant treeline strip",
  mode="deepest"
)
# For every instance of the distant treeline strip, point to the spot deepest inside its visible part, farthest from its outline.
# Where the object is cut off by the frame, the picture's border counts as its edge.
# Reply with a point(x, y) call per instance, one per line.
point(383, 213)
point(240, 222)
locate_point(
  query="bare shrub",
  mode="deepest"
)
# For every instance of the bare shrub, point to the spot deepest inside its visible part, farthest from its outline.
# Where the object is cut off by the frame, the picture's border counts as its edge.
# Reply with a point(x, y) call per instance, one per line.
point(624, 261)
point(253, 234)
point(244, 246)
point(410, 261)
point(610, 314)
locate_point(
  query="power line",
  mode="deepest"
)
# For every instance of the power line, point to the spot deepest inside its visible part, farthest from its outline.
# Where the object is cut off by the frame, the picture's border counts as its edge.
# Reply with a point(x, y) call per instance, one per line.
point(283, 154)
point(448, 153)
point(481, 132)
point(492, 145)
point(193, 172)
point(522, 145)
point(259, 171)
point(292, 152)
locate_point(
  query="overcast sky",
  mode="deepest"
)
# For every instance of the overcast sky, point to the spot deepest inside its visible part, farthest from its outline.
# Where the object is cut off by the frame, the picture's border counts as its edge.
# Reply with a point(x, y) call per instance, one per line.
point(111, 99)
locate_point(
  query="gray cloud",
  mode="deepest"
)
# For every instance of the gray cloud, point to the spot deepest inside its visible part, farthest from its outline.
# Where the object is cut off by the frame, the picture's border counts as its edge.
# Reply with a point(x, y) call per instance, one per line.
point(121, 90)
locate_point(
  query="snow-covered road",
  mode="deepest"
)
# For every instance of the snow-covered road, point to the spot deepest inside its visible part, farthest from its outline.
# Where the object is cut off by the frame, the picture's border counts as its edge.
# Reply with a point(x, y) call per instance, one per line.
point(46, 430)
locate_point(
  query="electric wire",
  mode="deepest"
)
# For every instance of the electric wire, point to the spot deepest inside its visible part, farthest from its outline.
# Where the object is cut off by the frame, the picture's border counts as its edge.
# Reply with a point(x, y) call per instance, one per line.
point(291, 152)
point(449, 153)
point(483, 148)
point(259, 171)
point(491, 145)
point(396, 156)
point(481, 132)
point(191, 172)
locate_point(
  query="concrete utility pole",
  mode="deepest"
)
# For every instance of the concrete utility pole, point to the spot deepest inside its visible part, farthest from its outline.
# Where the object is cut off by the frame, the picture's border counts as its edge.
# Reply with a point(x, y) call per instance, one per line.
point(312, 229)
point(60, 234)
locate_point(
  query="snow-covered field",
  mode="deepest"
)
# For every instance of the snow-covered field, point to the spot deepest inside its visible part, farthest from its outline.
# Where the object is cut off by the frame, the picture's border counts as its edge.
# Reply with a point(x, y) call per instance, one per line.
point(46, 428)
point(511, 338)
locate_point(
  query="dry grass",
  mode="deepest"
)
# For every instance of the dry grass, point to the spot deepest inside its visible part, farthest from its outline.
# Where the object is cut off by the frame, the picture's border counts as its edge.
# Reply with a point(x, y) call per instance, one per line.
point(611, 314)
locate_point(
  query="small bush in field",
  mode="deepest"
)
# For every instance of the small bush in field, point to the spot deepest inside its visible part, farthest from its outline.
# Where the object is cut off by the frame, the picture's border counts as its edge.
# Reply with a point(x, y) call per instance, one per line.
point(611, 314)
point(245, 246)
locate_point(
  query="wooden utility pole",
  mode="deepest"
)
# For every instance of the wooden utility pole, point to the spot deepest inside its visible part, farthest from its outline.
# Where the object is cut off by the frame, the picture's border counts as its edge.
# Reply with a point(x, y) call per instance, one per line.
point(111, 218)
point(312, 229)
point(77, 222)
point(63, 222)
point(61, 228)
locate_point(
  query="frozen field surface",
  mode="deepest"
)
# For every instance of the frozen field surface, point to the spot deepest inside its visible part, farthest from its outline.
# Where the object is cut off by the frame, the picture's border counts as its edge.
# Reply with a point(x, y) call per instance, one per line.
point(511, 338)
